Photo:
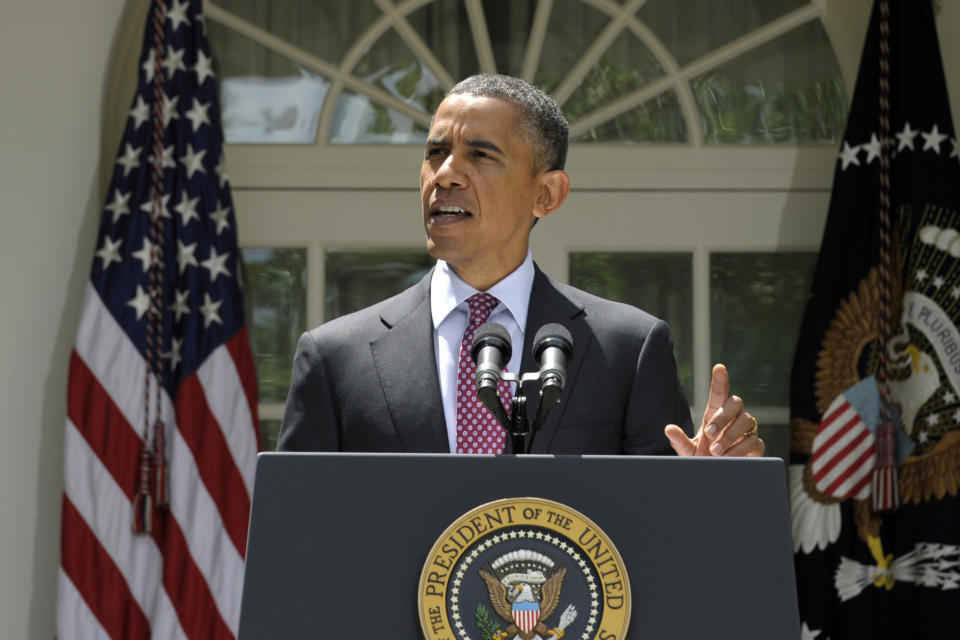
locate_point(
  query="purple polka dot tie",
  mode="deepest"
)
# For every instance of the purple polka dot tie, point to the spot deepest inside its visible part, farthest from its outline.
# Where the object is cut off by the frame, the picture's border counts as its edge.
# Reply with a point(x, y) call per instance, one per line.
point(477, 429)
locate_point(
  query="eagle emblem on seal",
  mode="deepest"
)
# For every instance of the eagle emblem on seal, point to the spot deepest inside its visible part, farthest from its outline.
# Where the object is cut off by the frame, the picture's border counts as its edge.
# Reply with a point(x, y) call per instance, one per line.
point(524, 588)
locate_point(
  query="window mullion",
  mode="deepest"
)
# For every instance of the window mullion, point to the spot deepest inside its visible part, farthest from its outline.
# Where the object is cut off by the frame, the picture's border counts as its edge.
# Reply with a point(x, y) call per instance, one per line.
point(413, 40)
point(750, 41)
point(584, 123)
point(702, 365)
point(538, 34)
point(688, 104)
point(315, 284)
point(481, 36)
point(312, 62)
point(269, 41)
point(270, 411)
point(594, 51)
point(347, 64)
point(770, 415)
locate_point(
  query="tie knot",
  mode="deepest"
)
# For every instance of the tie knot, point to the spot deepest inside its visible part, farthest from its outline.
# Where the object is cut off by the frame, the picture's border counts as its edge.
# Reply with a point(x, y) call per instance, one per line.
point(481, 305)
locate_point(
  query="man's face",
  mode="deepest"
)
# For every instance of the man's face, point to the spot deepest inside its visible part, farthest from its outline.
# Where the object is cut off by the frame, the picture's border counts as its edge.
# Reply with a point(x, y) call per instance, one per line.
point(479, 188)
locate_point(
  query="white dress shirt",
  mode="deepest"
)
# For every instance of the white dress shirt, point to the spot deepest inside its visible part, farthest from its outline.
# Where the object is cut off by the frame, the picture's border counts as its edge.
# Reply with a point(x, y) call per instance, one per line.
point(448, 306)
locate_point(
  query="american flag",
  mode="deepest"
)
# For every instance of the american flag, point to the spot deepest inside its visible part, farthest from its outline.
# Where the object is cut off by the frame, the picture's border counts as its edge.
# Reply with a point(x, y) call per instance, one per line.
point(163, 301)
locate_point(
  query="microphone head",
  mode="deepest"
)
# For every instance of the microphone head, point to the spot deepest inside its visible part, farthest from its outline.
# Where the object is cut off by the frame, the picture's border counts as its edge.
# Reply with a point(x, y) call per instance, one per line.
point(491, 334)
point(552, 335)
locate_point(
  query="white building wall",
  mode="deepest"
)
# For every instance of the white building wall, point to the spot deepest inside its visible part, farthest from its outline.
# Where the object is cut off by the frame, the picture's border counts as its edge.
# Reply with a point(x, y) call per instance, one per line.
point(53, 83)
point(53, 61)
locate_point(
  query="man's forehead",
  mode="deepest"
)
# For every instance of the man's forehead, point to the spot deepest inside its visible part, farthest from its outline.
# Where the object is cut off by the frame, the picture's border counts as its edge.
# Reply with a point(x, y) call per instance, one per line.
point(480, 117)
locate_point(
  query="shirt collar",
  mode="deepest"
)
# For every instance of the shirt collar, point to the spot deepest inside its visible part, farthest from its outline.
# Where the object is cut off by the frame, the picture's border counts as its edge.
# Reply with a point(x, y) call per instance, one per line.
point(448, 291)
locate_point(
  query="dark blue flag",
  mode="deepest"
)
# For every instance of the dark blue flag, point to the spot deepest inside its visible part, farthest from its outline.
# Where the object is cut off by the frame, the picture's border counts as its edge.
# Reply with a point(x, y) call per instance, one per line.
point(875, 395)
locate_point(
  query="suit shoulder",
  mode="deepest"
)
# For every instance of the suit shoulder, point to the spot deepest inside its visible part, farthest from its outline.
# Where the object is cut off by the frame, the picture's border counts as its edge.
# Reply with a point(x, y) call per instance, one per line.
point(348, 327)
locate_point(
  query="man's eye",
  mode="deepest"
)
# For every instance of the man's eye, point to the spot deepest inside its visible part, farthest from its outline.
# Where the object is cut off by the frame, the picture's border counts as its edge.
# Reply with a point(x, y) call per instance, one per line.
point(434, 152)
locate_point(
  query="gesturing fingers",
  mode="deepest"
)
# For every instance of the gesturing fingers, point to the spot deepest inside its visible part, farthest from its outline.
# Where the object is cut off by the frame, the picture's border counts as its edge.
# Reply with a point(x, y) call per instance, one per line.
point(719, 392)
point(728, 425)
point(683, 445)
point(750, 445)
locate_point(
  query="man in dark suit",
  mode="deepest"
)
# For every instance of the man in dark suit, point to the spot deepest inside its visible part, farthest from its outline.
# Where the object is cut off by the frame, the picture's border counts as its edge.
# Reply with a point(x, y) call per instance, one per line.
point(390, 377)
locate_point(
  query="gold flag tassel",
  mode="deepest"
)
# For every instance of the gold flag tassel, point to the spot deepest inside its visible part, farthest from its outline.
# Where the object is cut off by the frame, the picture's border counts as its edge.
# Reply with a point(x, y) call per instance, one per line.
point(161, 495)
point(142, 501)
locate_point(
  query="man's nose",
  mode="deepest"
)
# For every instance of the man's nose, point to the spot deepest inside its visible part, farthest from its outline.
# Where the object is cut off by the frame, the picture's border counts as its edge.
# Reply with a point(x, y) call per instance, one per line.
point(449, 174)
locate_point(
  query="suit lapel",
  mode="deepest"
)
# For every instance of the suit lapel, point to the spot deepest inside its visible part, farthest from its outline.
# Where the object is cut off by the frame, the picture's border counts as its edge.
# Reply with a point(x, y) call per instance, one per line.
point(549, 304)
point(407, 371)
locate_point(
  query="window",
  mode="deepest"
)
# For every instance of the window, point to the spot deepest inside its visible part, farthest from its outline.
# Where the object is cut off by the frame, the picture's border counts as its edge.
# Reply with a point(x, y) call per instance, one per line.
point(693, 71)
point(657, 282)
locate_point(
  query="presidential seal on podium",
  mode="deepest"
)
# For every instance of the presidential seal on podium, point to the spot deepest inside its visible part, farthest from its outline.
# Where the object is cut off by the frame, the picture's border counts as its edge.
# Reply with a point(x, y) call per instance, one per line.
point(523, 569)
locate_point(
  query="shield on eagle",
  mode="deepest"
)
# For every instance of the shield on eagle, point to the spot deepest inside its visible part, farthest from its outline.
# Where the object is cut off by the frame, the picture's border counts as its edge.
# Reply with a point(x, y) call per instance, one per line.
point(526, 615)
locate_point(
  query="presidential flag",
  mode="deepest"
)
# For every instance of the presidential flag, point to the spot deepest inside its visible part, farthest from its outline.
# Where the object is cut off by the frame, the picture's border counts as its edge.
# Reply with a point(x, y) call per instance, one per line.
point(875, 398)
point(162, 431)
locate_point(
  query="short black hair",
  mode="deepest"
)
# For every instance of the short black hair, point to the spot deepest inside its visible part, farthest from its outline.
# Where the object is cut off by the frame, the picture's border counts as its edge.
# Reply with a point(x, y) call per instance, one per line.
point(543, 121)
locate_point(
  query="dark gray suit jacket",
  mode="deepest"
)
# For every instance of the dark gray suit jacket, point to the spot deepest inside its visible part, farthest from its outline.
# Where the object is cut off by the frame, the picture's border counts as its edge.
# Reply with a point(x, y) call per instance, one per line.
point(368, 381)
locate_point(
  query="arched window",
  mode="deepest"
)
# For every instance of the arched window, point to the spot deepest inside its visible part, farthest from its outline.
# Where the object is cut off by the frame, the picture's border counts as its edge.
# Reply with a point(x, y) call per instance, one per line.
point(665, 71)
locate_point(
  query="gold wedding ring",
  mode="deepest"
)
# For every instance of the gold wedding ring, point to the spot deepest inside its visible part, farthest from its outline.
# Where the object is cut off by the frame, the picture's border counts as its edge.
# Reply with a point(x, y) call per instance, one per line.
point(753, 431)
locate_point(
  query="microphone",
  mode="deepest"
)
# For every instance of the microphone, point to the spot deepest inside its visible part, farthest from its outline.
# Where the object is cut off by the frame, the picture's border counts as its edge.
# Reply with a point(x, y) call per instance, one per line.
point(491, 352)
point(552, 348)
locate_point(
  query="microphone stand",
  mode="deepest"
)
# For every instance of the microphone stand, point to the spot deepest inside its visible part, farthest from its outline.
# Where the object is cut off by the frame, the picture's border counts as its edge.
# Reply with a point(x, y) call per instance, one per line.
point(518, 425)
point(522, 440)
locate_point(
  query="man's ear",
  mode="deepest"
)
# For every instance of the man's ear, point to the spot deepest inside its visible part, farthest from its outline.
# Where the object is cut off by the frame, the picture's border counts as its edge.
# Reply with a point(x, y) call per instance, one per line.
point(554, 189)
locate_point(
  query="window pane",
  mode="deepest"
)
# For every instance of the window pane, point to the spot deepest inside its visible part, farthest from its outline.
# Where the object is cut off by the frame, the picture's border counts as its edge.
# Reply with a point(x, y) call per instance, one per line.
point(275, 301)
point(265, 97)
point(445, 28)
point(326, 28)
point(509, 23)
point(625, 67)
point(358, 120)
point(776, 438)
point(757, 302)
point(390, 65)
point(659, 283)
point(787, 91)
point(355, 279)
point(572, 28)
point(693, 28)
point(269, 433)
point(658, 120)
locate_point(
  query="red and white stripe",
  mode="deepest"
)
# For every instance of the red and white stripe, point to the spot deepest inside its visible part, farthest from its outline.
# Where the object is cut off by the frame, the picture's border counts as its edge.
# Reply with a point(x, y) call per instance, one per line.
point(844, 452)
point(526, 619)
point(184, 580)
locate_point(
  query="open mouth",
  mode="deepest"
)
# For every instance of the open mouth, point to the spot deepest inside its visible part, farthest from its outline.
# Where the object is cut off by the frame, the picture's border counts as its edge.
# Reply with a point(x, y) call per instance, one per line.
point(449, 213)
